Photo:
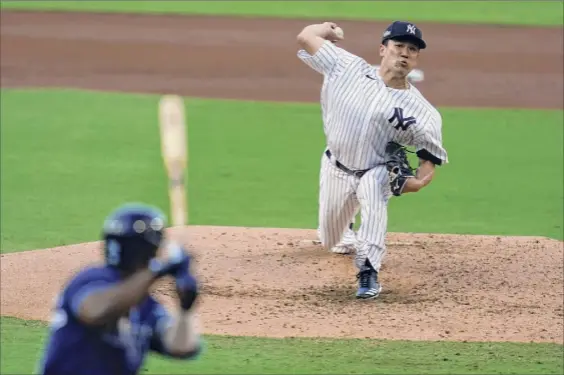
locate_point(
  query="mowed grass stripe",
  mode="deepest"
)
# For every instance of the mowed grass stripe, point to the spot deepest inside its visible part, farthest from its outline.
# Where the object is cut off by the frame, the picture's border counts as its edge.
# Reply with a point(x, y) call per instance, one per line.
point(22, 342)
point(542, 13)
point(69, 157)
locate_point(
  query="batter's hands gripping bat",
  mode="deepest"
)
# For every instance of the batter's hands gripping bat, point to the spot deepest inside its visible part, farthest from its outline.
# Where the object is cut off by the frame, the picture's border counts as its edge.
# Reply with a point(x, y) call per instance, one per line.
point(174, 149)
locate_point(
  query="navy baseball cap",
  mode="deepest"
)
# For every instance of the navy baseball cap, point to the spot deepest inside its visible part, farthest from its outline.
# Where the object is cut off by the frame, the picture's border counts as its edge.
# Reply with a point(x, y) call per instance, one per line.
point(404, 30)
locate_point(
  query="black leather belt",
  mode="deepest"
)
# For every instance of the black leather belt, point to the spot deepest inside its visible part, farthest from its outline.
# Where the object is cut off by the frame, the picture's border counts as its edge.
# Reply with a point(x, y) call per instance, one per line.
point(357, 173)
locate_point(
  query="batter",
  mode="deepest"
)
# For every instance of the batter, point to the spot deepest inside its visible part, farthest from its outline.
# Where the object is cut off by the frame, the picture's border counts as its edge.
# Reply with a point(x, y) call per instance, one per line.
point(366, 113)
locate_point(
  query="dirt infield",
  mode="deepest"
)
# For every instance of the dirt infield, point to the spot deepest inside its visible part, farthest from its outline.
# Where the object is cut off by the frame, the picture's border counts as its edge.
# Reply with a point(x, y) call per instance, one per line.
point(271, 282)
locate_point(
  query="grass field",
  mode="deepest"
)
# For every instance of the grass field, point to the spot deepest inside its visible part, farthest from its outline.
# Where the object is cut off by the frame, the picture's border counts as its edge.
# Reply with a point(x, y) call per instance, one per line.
point(66, 160)
point(22, 344)
point(494, 12)
point(104, 157)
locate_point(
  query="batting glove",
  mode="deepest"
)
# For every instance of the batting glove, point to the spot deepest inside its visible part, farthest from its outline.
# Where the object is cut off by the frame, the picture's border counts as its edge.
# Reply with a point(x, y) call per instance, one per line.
point(186, 288)
point(176, 259)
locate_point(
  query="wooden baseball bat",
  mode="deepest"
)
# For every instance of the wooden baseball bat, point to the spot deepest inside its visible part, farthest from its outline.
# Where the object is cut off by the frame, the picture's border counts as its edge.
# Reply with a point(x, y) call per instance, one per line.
point(174, 149)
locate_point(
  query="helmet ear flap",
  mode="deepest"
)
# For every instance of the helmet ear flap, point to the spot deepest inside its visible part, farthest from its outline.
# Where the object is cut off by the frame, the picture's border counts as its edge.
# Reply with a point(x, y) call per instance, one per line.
point(113, 255)
point(130, 253)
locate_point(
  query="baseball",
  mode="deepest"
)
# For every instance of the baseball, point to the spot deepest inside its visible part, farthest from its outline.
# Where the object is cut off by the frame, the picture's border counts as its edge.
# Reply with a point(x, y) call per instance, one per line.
point(339, 32)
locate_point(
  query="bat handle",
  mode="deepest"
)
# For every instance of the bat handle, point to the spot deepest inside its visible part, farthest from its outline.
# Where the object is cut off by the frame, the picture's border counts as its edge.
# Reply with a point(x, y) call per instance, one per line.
point(178, 206)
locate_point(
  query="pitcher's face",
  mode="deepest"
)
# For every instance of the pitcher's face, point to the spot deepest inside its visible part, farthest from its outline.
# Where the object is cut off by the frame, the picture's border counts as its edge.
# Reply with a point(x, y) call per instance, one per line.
point(399, 56)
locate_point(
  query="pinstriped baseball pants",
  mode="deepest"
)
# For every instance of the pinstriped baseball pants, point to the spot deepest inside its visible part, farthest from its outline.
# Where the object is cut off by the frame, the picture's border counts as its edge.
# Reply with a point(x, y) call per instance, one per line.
point(341, 196)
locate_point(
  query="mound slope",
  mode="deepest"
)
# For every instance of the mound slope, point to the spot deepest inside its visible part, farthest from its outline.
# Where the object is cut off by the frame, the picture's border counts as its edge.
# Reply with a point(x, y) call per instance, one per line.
point(275, 282)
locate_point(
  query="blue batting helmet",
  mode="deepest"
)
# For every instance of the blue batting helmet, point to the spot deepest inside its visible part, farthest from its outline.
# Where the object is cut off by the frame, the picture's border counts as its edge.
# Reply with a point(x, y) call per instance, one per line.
point(132, 235)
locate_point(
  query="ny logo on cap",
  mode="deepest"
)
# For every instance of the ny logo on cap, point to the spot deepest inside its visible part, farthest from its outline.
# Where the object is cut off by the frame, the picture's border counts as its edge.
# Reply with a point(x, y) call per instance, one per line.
point(411, 29)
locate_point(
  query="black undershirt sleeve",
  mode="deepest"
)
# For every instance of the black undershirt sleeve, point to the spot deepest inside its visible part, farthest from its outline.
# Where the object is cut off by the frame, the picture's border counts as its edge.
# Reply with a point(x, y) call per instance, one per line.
point(426, 155)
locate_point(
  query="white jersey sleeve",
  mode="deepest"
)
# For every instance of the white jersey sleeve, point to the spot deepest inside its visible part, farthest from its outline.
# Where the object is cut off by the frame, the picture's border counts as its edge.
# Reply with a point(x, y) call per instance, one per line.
point(429, 143)
point(329, 59)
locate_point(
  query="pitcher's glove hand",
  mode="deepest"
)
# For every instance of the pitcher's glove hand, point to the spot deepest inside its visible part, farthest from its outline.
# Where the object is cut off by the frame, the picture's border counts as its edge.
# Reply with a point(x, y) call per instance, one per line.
point(398, 167)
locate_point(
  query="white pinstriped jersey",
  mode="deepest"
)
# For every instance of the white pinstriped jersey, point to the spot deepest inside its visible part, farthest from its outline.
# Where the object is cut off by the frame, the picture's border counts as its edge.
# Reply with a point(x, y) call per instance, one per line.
point(361, 114)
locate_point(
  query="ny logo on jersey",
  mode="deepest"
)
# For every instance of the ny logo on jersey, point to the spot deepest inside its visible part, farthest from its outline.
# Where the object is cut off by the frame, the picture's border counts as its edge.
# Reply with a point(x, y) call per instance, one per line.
point(402, 122)
point(411, 29)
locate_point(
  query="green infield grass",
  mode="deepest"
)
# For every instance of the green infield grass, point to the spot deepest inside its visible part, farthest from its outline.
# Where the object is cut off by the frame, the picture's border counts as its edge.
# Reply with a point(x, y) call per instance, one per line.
point(22, 343)
point(493, 12)
point(68, 157)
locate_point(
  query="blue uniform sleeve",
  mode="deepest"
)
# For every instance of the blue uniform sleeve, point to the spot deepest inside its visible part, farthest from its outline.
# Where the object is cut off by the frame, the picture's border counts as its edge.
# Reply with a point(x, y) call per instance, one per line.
point(162, 321)
point(84, 285)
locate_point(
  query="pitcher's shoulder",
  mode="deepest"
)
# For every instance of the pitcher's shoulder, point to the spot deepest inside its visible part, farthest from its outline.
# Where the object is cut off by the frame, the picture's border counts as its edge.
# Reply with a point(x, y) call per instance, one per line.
point(425, 103)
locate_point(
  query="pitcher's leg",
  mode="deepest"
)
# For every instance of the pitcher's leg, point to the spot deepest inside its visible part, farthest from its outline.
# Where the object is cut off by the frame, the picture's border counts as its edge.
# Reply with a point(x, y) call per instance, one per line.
point(371, 247)
point(348, 243)
point(337, 203)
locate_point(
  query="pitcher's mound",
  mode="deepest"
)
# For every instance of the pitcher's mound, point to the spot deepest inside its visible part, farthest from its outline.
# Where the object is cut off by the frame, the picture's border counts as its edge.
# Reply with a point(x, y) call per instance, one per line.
point(276, 282)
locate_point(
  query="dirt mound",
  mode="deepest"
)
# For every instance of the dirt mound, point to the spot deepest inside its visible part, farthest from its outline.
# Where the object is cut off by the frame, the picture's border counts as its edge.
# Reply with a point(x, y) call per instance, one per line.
point(267, 282)
point(275, 282)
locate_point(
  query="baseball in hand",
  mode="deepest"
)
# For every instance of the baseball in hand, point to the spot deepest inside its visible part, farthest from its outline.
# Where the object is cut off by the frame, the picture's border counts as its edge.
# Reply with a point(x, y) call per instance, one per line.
point(339, 32)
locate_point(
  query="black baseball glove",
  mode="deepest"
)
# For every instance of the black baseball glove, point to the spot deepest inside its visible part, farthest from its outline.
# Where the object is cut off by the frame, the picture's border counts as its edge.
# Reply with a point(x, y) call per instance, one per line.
point(398, 167)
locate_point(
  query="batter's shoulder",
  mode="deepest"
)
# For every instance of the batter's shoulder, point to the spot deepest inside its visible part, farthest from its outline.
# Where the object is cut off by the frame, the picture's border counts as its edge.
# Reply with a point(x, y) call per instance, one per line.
point(93, 274)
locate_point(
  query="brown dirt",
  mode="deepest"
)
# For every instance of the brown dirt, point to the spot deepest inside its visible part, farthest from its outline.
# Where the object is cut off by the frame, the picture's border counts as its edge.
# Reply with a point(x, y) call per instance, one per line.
point(267, 282)
point(475, 66)
point(271, 282)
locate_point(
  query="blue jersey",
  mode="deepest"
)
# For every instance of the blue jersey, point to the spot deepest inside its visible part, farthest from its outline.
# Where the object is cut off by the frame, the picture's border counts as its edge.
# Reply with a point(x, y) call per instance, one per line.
point(77, 349)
